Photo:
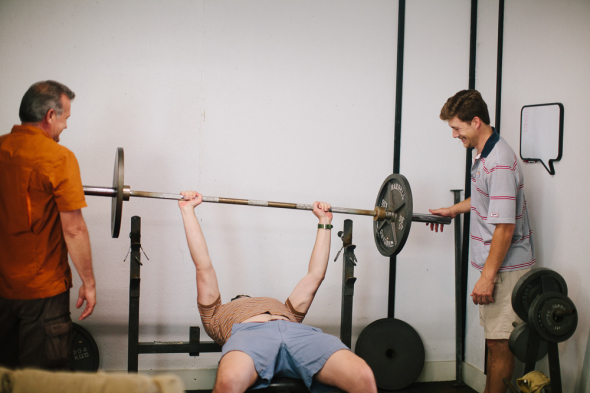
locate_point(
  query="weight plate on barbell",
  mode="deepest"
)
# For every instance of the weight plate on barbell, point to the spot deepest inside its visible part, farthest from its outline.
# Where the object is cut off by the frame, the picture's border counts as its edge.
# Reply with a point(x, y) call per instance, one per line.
point(84, 351)
point(528, 288)
point(554, 317)
point(519, 342)
point(395, 196)
point(117, 202)
point(393, 350)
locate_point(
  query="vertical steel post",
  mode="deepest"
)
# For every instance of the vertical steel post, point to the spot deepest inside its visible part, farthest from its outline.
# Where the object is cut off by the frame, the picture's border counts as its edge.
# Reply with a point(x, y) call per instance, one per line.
point(499, 64)
point(348, 281)
point(554, 368)
point(399, 82)
point(468, 164)
point(134, 280)
point(459, 300)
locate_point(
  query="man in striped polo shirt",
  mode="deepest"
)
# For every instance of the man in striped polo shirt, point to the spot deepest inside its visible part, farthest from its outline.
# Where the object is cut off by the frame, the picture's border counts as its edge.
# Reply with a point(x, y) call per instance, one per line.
point(501, 246)
point(262, 337)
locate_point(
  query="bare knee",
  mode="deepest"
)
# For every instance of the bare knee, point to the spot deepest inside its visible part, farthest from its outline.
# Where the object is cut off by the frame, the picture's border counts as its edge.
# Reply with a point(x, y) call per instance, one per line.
point(236, 373)
point(229, 382)
point(365, 378)
point(348, 372)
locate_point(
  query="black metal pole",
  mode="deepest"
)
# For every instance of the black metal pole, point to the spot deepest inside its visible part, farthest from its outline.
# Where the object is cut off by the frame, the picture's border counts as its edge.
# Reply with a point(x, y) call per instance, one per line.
point(468, 158)
point(459, 313)
point(134, 281)
point(499, 65)
point(348, 281)
point(401, 20)
point(472, 44)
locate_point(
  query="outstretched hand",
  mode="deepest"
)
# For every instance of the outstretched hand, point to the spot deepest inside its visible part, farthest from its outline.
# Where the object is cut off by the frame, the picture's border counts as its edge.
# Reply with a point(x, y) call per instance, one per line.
point(444, 212)
point(191, 199)
point(322, 211)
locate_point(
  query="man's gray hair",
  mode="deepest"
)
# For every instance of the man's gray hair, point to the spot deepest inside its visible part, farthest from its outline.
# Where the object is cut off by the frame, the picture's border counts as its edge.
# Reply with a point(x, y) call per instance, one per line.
point(41, 97)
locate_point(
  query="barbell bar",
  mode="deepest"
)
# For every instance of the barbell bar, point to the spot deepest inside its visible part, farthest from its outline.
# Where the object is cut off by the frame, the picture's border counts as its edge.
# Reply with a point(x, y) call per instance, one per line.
point(392, 213)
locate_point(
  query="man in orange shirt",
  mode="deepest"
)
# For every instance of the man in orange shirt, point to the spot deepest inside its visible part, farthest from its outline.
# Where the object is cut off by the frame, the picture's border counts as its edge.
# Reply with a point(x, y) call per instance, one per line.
point(41, 197)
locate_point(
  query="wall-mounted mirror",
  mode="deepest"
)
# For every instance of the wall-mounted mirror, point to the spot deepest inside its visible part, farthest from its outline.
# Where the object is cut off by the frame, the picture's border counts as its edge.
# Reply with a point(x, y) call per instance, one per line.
point(541, 134)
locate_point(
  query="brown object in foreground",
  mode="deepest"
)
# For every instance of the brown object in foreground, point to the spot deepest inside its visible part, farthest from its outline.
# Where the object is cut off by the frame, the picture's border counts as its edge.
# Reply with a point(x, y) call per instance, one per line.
point(34, 381)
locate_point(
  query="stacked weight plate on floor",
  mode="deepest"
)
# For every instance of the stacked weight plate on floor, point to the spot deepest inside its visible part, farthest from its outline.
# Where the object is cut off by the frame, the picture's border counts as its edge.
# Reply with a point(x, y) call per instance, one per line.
point(84, 351)
point(540, 299)
point(393, 350)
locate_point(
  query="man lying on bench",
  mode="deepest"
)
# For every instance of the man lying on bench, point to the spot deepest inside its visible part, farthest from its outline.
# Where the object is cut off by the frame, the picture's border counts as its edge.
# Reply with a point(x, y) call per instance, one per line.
point(262, 337)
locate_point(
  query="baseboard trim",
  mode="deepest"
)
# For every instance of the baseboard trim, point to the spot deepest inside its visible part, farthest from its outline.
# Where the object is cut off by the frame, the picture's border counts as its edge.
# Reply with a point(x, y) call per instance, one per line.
point(474, 377)
point(199, 379)
point(203, 379)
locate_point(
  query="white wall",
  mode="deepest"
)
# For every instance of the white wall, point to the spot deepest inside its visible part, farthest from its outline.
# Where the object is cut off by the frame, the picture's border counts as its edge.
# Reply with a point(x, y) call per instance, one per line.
point(294, 101)
point(286, 101)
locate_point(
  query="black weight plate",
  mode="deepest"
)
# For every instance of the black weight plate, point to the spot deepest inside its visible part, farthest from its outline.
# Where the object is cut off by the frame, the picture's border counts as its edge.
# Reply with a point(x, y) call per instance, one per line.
point(83, 352)
point(519, 342)
point(393, 350)
point(117, 202)
point(528, 287)
point(395, 195)
point(545, 319)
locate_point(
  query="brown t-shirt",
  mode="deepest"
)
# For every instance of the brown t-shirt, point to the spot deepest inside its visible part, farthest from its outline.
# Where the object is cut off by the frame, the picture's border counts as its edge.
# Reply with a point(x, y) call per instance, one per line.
point(38, 179)
point(218, 319)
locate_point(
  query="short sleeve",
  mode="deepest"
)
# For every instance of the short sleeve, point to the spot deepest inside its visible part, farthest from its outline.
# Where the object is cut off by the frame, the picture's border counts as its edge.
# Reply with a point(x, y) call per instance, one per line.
point(207, 312)
point(299, 316)
point(67, 183)
point(502, 190)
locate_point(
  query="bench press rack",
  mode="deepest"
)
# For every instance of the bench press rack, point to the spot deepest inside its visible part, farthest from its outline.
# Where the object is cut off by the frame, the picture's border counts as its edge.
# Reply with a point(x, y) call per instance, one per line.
point(194, 346)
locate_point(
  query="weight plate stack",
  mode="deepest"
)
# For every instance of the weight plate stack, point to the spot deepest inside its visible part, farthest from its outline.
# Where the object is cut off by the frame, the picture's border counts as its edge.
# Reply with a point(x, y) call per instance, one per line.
point(393, 350)
point(117, 201)
point(554, 317)
point(84, 352)
point(528, 288)
point(395, 196)
point(519, 342)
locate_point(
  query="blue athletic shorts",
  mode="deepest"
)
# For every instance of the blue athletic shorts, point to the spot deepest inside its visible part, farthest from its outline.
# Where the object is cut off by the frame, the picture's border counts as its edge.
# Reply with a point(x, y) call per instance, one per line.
point(284, 349)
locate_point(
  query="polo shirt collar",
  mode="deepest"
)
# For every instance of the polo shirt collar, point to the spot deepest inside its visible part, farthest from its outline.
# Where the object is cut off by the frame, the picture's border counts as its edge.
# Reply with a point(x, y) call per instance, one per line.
point(490, 143)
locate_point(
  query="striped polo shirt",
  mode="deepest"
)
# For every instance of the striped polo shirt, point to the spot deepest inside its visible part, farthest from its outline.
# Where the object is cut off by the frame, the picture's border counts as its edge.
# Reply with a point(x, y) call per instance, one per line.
point(218, 319)
point(497, 197)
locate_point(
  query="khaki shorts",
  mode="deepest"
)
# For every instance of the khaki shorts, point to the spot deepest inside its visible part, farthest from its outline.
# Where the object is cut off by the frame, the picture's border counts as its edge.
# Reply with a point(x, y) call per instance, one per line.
point(497, 318)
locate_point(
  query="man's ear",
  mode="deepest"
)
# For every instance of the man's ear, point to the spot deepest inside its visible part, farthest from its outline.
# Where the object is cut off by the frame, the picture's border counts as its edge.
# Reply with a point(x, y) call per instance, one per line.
point(50, 116)
point(476, 122)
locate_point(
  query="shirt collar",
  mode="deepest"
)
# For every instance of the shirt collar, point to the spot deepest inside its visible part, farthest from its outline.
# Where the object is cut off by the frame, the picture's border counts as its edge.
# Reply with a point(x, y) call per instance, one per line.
point(490, 143)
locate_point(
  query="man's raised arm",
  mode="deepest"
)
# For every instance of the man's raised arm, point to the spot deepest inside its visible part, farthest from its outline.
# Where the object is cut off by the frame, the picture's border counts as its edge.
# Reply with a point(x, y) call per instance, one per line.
point(305, 290)
point(207, 288)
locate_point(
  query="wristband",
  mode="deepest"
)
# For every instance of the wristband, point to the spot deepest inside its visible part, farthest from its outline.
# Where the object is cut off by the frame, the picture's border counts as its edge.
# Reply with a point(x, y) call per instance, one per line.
point(325, 226)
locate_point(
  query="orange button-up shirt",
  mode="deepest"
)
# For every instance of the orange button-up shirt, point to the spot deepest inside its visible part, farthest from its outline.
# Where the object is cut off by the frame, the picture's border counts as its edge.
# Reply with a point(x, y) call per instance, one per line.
point(38, 179)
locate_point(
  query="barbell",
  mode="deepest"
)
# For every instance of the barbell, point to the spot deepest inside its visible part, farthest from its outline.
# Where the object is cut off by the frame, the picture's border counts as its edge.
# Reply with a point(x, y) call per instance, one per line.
point(392, 214)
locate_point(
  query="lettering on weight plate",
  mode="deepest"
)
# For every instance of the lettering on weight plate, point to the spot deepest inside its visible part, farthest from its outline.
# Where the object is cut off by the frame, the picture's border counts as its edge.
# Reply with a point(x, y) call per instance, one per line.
point(384, 203)
point(400, 189)
point(386, 241)
point(80, 354)
point(400, 224)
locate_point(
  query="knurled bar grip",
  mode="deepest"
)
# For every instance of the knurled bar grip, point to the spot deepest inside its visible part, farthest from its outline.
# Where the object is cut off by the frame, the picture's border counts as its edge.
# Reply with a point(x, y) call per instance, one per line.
point(111, 192)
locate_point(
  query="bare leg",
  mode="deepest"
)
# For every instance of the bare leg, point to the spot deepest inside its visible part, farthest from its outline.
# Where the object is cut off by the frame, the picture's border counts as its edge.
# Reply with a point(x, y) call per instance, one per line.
point(500, 365)
point(235, 374)
point(348, 372)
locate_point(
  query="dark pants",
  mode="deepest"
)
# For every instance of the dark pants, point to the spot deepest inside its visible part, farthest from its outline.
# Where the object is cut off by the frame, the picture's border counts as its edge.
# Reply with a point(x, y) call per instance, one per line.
point(36, 333)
